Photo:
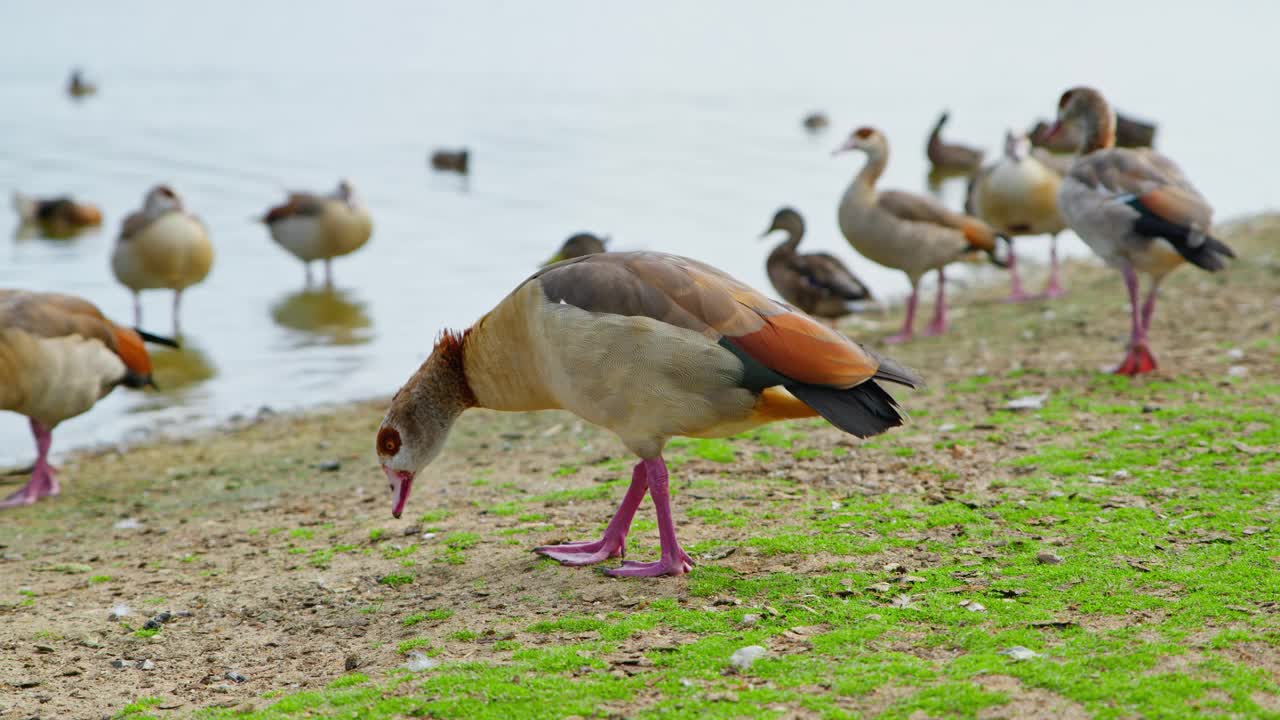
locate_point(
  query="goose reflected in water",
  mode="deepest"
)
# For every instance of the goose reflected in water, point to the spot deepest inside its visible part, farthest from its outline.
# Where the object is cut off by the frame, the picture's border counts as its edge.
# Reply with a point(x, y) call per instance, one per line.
point(324, 317)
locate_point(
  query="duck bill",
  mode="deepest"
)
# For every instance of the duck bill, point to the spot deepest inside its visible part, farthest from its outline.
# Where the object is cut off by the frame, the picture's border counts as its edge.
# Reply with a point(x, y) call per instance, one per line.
point(401, 482)
point(554, 259)
point(1054, 130)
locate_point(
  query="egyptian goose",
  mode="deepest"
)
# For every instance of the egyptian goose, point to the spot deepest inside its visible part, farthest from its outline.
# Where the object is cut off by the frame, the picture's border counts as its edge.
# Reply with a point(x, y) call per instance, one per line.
point(950, 157)
point(59, 356)
point(1018, 195)
point(817, 283)
point(458, 161)
point(649, 346)
point(1135, 209)
point(911, 233)
point(57, 217)
point(162, 246)
point(816, 121)
point(78, 87)
point(1130, 133)
point(320, 227)
point(577, 245)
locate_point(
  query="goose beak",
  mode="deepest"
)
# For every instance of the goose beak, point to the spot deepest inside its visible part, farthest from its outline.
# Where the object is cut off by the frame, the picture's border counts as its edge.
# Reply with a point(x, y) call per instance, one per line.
point(1053, 130)
point(554, 259)
point(401, 481)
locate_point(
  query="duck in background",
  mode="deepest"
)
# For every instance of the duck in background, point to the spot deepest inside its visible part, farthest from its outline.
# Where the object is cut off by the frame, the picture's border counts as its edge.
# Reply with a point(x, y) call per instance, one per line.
point(1135, 209)
point(911, 233)
point(648, 346)
point(1130, 133)
point(458, 161)
point(57, 217)
point(58, 356)
point(1018, 195)
point(950, 158)
point(162, 246)
point(817, 283)
point(579, 244)
point(320, 227)
point(78, 87)
point(816, 121)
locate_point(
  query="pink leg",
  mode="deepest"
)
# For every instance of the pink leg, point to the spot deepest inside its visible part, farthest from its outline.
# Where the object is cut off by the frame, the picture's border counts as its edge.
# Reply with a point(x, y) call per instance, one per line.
point(1016, 293)
point(1149, 307)
point(177, 305)
point(1053, 288)
point(43, 483)
point(938, 325)
point(908, 325)
point(614, 542)
point(1139, 359)
point(674, 560)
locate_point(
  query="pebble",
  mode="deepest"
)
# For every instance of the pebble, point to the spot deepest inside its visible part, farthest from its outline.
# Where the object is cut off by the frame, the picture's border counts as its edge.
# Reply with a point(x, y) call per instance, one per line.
point(25, 683)
point(419, 662)
point(1048, 558)
point(1235, 354)
point(1121, 475)
point(329, 466)
point(750, 619)
point(147, 665)
point(122, 663)
point(1237, 371)
point(220, 688)
point(351, 662)
point(744, 658)
point(127, 524)
point(119, 611)
point(1017, 652)
point(157, 620)
point(234, 676)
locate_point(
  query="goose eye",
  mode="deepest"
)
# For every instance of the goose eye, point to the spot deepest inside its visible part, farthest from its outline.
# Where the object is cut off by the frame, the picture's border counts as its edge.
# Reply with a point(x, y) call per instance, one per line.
point(388, 441)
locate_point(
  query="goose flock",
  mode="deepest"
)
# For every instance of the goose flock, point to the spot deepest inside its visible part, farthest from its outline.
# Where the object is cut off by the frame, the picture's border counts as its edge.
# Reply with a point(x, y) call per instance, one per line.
point(646, 344)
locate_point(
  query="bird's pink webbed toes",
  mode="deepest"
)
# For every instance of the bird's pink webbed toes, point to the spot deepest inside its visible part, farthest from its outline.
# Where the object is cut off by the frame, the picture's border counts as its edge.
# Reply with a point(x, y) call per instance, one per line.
point(586, 553)
point(669, 565)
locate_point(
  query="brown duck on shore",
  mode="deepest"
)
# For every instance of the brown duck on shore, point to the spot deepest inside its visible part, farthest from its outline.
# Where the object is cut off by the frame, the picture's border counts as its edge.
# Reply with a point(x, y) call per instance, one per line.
point(817, 283)
point(951, 157)
point(458, 161)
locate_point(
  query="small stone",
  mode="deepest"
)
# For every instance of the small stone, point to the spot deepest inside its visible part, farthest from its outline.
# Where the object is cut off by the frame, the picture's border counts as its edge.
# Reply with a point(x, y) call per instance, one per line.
point(975, 606)
point(122, 663)
point(127, 524)
point(411, 530)
point(119, 611)
point(419, 662)
point(1121, 475)
point(743, 658)
point(1235, 354)
point(351, 662)
point(45, 649)
point(880, 587)
point(1019, 653)
point(25, 683)
point(90, 641)
point(235, 677)
point(1237, 371)
point(720, 553)
point(220, 688)
point(1028, 402)
point(1048, 558)
point(157, 621)
point(329, 466)
point(750, 619)
point(147, 665)
point(428, 535)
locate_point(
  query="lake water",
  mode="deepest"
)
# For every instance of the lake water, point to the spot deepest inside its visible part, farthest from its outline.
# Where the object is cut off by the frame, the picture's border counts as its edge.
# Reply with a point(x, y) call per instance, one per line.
point(667, 125)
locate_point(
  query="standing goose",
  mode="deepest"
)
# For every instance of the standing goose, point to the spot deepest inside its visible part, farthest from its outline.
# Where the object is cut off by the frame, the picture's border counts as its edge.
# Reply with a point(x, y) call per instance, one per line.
point(950, 157)
point(817, 283)
point(58, 216)
point(1018, 195)
point(162, 246)
point(320, 227)
point(578, 244)
point(649, 346)
point(59, 356)
point(1135, 209)
point(906, 232)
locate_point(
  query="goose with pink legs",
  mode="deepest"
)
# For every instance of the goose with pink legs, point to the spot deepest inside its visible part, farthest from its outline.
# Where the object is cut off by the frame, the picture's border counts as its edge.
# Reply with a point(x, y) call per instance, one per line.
point(1136, 210)
point(911, 233)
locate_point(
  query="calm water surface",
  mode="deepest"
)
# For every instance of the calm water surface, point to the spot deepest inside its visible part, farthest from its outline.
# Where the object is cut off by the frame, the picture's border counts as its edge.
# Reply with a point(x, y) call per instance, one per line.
point(667, 125)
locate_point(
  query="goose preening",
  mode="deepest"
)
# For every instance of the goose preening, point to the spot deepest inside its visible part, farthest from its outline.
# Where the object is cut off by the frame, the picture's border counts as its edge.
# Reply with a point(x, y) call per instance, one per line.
point(1130, 133)
point(162, 246)
point(579, 244)
point(649, 346)
point(58, 216)
point(458, 161)
point(817, 283)
point(1018, 195)
point(911, 233)
point(58, 356)
point(816, 121)
point(948, 157)
point(78, 87)
point(320, 227)
point(1135, 209)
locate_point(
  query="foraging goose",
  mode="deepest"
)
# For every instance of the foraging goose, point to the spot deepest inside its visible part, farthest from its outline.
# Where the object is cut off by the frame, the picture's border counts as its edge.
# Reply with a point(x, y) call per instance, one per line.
point(162, 246)
point(649, 346)
point(1135, 209)
point(1018, 195)
point(1130, 133)
point(817, 283)
point(816, 121)
point(58, 357)
point(577, 245)
point(949, 157)
point(458, 161)
point(78, 87)
point(906, 232)
point(320, 227)
point(59, 216)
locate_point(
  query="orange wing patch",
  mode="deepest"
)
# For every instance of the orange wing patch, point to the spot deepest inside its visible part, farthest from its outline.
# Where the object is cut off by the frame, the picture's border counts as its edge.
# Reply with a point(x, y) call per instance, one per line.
point(777, 404)
point(131, 350)
point(1175, 206)
point(807, 352)
point(979, 235)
